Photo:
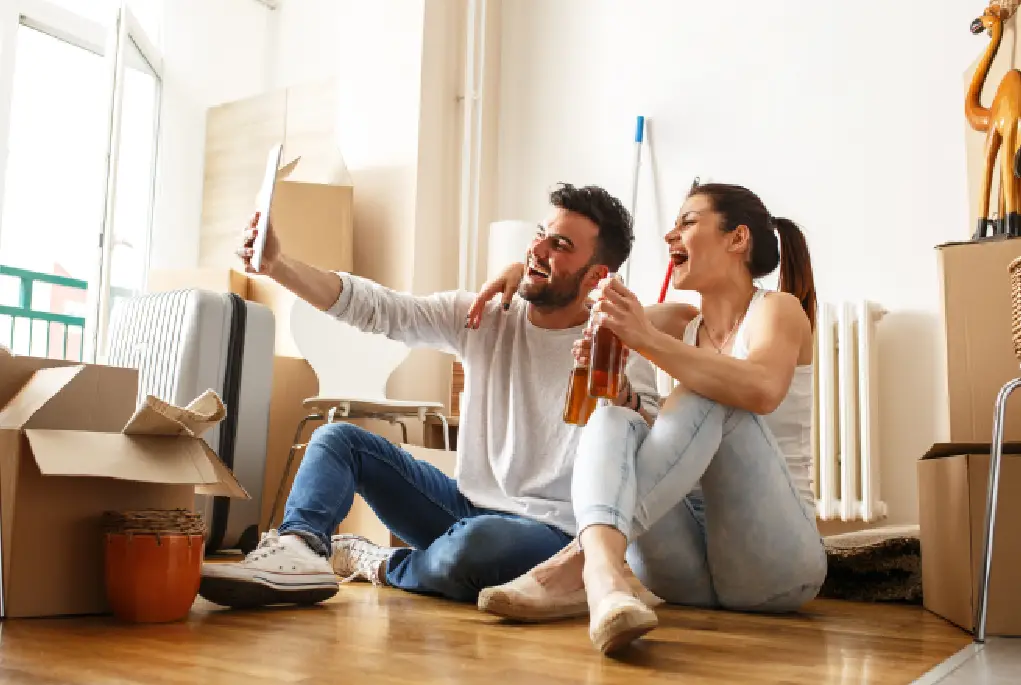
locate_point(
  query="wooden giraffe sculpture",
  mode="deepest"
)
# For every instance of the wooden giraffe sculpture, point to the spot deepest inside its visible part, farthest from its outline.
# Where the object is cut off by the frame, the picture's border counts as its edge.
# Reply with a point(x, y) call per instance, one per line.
point(1001, 124)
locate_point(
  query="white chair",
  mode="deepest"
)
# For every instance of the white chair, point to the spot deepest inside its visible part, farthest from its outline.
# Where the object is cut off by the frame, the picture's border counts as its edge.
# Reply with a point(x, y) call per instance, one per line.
point(353, 368)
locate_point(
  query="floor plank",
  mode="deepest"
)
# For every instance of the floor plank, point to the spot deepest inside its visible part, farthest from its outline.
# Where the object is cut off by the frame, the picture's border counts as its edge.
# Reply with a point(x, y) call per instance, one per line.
point(366, 635)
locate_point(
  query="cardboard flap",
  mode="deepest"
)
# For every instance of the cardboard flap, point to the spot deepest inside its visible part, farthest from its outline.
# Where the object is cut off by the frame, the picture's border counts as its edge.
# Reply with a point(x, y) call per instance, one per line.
point(142, 458)
point(41, 387)
point(955, 449)
point(226, 484)
point(156, 417)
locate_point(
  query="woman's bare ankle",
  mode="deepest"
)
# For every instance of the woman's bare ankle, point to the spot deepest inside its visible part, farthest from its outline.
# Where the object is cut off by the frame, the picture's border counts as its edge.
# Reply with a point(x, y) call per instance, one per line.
point(604, 576)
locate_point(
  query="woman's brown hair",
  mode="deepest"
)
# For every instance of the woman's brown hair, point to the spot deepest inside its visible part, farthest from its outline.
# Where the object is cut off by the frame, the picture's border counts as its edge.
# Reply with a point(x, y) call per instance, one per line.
point(775, 241)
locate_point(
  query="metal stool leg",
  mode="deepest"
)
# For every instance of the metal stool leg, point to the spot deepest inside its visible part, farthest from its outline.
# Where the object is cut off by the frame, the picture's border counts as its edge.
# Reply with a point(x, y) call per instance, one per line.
point(404, 428)
point(996, 454)
point(295, 446)
point(446, 430)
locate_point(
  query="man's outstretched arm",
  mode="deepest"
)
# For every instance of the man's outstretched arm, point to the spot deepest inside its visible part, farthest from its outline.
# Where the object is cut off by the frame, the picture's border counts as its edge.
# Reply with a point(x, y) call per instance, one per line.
point(319, 287)
point(430, 321)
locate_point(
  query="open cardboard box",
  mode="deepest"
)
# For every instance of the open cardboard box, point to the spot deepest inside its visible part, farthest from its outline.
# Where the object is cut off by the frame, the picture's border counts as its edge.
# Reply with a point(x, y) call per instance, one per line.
point(73, 445)
point(953, 481)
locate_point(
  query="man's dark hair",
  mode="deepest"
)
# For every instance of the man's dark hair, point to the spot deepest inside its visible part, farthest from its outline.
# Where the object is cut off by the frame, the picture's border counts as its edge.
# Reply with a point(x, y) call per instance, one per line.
point(616, 230)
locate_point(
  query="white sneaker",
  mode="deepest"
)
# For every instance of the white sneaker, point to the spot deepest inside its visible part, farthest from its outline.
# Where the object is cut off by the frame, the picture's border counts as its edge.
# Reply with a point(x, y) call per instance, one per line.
point(281, 570)
point(356, 558)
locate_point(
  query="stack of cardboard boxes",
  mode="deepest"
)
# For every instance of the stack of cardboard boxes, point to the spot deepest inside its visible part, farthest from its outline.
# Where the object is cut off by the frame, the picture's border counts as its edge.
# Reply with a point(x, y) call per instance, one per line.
point(953, 477)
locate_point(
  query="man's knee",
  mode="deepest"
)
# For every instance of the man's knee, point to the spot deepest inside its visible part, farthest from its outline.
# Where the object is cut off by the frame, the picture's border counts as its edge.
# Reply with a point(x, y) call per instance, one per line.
point(331, 447)
point(337, 436)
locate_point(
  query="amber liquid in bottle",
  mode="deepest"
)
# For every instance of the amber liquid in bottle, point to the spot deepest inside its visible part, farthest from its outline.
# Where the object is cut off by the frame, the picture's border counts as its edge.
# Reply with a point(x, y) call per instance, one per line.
point(606, 367)
point(578, 404)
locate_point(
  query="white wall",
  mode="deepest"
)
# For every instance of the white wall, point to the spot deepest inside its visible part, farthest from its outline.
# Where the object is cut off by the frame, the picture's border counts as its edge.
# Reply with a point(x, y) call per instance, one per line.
point(397, 137)
point(846, 117)
point(396, 122)
point(212, 52)
point(374, 50)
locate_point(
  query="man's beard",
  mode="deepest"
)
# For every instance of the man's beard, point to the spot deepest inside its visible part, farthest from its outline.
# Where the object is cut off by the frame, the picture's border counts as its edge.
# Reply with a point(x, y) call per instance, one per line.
point(552, 295)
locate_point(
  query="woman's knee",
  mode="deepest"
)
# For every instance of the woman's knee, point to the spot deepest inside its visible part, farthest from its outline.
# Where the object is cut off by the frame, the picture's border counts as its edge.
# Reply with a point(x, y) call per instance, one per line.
point(613, 416)
point(608, 425)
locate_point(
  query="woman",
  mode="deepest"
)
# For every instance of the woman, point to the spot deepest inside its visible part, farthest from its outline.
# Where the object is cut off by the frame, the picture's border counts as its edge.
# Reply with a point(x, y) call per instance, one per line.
point(712, 505)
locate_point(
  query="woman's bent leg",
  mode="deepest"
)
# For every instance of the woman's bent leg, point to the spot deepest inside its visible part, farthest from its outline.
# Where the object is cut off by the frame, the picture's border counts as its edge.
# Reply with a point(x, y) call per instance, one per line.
point(628, 476)
point(669, 559)
point(764, 548)
point(761, 547)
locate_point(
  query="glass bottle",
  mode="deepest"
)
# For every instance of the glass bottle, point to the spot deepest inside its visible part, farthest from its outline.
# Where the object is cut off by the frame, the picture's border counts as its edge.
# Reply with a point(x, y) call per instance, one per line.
point(606, 367)
point(578, 404)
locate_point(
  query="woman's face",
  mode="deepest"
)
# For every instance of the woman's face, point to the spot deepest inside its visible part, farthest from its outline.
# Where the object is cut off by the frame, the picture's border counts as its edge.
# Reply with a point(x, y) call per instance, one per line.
point(700, 251)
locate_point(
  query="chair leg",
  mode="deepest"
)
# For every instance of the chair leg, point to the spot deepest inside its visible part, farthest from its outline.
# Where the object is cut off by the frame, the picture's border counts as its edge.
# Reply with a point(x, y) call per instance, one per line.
point(295, 446)
point(996, 455)
point(446, 430)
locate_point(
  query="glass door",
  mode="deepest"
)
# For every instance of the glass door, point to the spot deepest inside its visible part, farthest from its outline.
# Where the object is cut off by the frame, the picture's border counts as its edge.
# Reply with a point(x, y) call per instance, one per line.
point(79, 104)
point(134, 66)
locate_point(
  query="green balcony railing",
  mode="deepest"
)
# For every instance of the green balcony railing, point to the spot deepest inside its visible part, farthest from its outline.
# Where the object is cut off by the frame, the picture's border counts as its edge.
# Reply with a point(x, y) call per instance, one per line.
point(65, 324)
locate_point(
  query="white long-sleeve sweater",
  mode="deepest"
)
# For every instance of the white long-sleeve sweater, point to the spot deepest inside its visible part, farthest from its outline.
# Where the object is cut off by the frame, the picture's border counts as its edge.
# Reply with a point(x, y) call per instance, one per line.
point(514, 452)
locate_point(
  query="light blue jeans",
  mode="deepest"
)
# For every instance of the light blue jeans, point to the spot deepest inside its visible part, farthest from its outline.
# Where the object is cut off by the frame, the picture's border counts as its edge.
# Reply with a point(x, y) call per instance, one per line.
point(748, 542)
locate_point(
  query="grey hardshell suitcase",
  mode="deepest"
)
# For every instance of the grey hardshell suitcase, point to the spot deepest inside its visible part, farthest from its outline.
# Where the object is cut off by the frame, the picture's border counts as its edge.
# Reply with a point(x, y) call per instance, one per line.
point(185, 342)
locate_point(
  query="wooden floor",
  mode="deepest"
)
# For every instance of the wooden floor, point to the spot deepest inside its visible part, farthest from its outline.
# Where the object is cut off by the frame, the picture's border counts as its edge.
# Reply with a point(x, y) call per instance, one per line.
point(365, 635)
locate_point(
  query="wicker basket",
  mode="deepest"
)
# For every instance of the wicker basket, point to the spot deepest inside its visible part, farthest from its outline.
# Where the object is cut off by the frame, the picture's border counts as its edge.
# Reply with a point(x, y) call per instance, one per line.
point(154, 522)
point(1015, 304)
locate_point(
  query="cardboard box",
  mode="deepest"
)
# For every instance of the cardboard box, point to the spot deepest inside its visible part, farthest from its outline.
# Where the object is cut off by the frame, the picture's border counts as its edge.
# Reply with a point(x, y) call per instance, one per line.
point(976, 318)
point(953, 480)
point(214, 280)
point(313, 207)
point(73, 445)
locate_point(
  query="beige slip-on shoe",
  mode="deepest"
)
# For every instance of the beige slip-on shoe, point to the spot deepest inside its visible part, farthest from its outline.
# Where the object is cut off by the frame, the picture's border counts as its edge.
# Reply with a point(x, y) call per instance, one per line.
point(619, 620)
point(525, 599)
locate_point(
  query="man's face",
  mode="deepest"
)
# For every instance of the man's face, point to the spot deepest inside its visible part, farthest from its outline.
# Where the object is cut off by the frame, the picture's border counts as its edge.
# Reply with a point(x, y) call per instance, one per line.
point(559, 266)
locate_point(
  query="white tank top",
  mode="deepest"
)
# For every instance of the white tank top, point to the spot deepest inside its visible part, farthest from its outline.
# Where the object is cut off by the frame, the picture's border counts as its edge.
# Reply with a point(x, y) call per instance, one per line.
point(791, 422)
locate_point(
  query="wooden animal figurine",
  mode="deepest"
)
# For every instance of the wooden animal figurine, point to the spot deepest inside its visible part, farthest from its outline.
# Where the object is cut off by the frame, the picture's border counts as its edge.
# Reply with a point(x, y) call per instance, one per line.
point(1001, 124)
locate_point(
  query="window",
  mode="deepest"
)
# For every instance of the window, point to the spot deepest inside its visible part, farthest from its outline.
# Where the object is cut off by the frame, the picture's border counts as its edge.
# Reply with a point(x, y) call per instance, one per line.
point(77, 168)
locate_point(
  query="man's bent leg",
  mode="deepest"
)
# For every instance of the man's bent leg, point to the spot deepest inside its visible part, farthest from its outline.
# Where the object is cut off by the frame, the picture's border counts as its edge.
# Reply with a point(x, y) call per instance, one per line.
point(475, 553)
point(412, 498)
point(293, 565)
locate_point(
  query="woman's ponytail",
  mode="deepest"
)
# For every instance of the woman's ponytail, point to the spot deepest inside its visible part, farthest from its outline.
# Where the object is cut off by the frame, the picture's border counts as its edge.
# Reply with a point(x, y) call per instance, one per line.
point(796, 275)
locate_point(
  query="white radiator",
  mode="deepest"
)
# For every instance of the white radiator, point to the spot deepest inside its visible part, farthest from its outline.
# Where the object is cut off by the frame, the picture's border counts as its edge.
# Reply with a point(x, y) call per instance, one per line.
point(845, 422)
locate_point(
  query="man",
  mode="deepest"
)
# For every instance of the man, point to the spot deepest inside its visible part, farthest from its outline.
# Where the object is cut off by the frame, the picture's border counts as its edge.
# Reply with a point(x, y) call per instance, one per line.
point(509, 507)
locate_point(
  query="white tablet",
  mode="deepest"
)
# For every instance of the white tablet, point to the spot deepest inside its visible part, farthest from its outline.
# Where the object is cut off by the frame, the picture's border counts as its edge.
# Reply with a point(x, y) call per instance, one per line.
point(264, 202)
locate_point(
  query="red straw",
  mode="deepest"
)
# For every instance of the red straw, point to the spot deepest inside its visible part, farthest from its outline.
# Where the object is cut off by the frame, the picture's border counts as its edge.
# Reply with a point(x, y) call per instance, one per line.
point(666, 282)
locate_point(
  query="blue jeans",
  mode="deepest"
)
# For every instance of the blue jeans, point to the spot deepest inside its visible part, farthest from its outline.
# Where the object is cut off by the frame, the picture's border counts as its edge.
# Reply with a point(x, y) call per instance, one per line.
point(748, 541)
point(457, 548)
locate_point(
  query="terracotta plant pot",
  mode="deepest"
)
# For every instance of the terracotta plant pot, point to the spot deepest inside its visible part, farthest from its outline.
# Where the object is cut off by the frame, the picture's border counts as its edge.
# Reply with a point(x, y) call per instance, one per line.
point(152, 578)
